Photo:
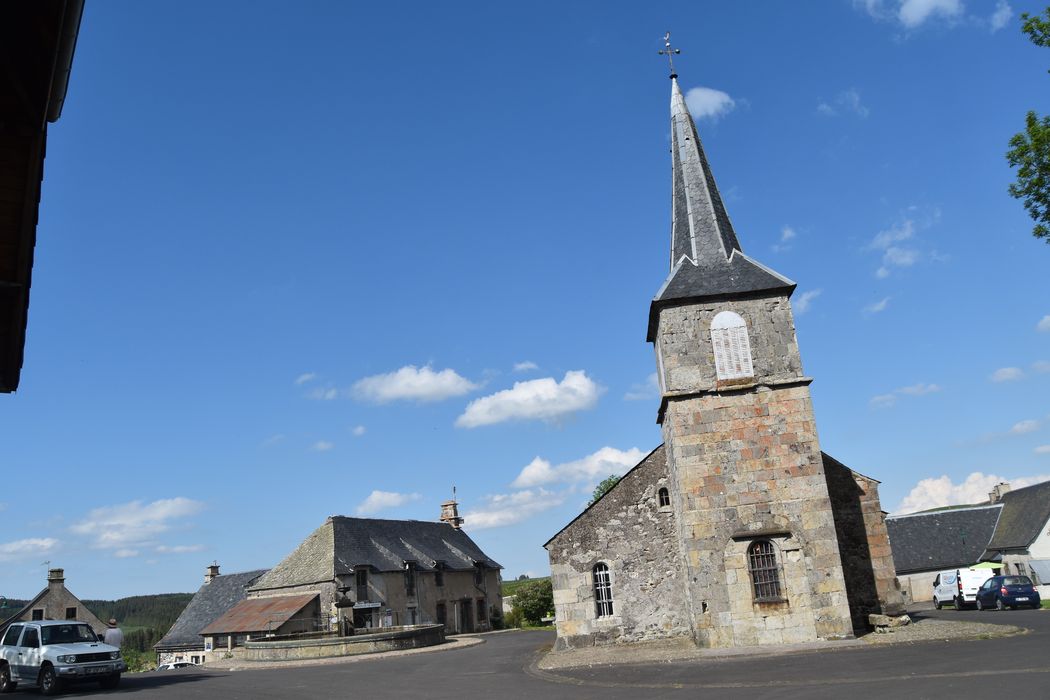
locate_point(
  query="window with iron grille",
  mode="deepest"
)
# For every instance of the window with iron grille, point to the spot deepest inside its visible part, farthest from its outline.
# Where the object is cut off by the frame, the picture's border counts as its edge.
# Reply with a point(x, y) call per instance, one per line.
point(603, 600)
point(731, 345)
point(765, 573)
point(665, 498)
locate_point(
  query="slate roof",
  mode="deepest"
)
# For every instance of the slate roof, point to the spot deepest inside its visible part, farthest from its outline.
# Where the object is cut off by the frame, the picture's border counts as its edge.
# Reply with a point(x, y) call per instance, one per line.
point(941, 539)
point(259, 614)
point(209, 603)
point(342, 543)
point(706, 257)
point(1025, 513)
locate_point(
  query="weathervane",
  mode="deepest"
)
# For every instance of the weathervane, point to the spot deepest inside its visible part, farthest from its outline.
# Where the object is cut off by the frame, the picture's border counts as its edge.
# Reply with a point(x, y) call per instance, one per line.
point(669, 52)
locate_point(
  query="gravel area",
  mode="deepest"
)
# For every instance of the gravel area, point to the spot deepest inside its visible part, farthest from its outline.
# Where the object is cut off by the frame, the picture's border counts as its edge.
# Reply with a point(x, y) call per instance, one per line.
point(920, 630)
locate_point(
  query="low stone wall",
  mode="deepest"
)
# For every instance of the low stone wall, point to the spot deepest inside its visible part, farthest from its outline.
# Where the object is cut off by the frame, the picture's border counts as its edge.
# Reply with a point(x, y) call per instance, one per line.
point(389, 639)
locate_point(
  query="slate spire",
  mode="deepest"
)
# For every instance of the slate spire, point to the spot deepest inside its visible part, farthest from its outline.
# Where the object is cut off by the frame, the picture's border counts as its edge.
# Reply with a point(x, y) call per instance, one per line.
point(706, 257)
point(700, 228)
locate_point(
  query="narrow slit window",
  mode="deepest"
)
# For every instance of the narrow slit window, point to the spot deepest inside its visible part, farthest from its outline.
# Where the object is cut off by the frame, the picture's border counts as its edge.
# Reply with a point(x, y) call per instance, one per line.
point(603, 600)
point(765, 573)
point(731, 345)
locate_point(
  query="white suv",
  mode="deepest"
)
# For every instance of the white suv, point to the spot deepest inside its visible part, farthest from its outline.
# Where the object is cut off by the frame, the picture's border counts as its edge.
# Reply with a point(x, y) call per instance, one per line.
point(48, 653)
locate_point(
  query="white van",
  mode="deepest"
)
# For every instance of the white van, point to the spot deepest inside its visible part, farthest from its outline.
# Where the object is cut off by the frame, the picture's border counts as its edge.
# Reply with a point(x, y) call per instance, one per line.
point(959, 587)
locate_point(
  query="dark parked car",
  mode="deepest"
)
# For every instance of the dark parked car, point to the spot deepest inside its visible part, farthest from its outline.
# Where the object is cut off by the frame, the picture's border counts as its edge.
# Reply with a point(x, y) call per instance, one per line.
point(1001, 592)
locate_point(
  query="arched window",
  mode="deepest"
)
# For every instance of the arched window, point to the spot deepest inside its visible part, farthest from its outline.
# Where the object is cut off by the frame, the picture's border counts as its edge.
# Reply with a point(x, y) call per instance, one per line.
point(732, 347)
point(765, 574)
point(665, 498)
point(603, 602)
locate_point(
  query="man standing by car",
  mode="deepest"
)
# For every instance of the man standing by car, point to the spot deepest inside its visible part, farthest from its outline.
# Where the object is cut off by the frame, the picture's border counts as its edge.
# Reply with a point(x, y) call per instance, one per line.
point(113, 637)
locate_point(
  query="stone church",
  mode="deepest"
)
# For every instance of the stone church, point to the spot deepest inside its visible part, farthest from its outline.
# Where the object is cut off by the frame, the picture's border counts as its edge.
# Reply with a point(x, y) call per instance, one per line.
point(738, 530)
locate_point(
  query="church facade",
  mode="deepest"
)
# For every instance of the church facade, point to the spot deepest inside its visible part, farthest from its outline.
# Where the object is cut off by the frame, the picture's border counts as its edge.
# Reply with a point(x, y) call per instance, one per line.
point(738, 530)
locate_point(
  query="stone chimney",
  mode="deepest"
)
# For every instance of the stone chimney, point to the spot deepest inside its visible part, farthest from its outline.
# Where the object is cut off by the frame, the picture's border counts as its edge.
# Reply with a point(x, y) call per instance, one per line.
point(450, 511)
point(211, 572)
point(56, 579)
point(998, 491)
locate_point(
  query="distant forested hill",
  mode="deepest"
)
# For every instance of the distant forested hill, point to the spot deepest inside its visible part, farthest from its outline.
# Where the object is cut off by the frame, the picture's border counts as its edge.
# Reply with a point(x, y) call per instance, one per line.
point(144, 619)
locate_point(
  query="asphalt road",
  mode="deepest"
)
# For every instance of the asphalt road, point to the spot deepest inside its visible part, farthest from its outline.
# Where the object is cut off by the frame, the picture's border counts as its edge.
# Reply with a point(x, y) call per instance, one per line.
point(1017, 666)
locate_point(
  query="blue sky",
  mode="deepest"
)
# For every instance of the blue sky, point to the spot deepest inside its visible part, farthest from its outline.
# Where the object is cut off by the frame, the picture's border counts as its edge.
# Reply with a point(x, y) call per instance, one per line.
point(290, 257)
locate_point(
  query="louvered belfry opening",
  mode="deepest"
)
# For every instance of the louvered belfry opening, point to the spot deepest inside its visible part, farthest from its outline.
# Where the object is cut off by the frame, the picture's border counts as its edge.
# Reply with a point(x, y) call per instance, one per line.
point(732, 347)
point(765, 574)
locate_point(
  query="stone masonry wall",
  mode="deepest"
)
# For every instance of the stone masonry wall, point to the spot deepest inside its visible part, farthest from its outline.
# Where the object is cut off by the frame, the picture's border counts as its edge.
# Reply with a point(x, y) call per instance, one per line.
point(745, 463)
point(629, 531)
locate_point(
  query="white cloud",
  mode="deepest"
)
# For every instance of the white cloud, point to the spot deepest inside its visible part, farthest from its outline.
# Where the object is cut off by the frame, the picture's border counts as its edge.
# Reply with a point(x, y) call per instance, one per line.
point(359, 430)
point(30, 547)
point(913, 13)
point(500, 510)
point(304, 378)
point(1040, 366)
point(538, 399)
point(414, 384)
point(129, 524)
point(1003, 13)
point(126, 553)
point(894, 234)
point(941, 491)
point(787, 235)
point(1006, 374)
point(325, 393)
point(887, 400)
point(380, 500)
point(1043, 450)
point(525, 366)
point(704, 102)
point(322, 446)
point(179, 548)
point(1044, 324)
point(893, 243)
point(273, 439)
point(805, 299)
point(590, 469)
point(877, 307)
point(846, 101)
point(650, 389)
point(1025, 426)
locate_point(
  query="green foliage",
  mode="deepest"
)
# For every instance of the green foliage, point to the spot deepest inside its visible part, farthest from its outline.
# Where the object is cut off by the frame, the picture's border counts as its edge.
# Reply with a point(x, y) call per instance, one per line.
point(514, 618)
point(139, 661)
point(535, 600)
point(1037, 28)
point(1030, 149)
point(603, 487)
point(510, 588)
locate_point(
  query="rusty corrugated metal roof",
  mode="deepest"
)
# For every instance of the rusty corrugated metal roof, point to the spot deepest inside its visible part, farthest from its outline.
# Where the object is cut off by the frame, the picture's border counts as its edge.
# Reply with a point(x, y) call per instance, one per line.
point(259, 614)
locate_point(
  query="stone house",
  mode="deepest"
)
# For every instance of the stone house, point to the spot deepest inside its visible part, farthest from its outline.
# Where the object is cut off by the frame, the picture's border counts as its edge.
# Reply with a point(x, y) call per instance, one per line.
point(924, 544)
point(1021, 540)
point(262, 617)
point(220, 593)
point(368, 572)
point(738, 530)
point(56, 602)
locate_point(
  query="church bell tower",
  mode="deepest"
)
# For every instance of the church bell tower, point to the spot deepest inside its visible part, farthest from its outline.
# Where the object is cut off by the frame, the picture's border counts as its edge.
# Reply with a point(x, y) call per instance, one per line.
point(755, 525)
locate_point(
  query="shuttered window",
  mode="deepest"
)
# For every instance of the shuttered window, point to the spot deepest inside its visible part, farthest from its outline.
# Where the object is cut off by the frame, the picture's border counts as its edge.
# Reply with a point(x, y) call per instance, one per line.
point(732, 347)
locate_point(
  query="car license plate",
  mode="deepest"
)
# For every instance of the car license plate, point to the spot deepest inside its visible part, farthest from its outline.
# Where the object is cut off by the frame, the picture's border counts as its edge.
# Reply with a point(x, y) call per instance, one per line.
point(96, 669)
point(1022, 600)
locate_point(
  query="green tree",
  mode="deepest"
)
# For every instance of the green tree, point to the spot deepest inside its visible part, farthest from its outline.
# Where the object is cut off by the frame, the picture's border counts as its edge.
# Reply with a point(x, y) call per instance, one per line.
point(603, 487)
point(535, 600)
point(1030, 149)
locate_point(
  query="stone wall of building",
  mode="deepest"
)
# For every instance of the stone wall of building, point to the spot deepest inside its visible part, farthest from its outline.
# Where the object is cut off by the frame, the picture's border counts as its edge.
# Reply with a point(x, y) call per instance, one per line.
point(864, 545)
point(635, 537)
point(745, 465)
point(54, 602)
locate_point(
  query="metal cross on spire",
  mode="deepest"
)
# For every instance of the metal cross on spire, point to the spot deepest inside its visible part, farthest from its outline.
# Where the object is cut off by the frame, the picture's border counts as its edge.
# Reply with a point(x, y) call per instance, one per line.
point(668, 51)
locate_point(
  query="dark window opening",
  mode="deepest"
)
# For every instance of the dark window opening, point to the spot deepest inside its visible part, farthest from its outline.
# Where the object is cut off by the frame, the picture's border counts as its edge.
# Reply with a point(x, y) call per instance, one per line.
point(479, 575)
point(439, 577)
point(441, 614)
point(71, 613)
point(38, 614)
point(765, 574)
point(665, 498)
point(603, 600)
point(410, 580)
point(482, 616)
point(361, 579)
